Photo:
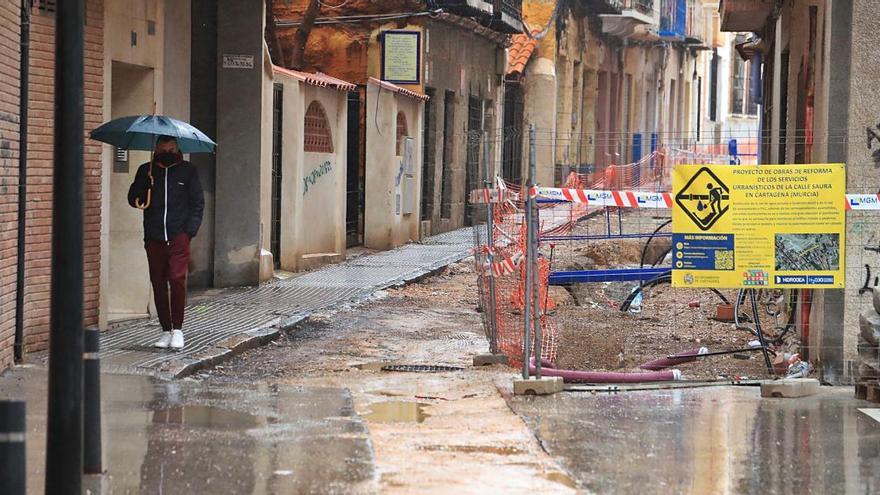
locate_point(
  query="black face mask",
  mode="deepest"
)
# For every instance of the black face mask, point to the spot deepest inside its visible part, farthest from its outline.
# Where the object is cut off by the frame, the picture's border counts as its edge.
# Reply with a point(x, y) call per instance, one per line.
point(166, 158)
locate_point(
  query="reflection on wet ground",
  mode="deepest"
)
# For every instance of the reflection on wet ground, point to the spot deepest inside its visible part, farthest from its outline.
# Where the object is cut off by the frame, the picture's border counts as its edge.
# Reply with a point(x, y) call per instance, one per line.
point(396, 412)
point(698, 441)
point(206, 417)
point(189, 437)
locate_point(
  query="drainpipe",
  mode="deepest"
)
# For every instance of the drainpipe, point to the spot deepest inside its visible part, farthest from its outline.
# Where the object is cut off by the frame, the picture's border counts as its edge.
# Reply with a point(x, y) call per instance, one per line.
point(18, 346)
point(621, 81)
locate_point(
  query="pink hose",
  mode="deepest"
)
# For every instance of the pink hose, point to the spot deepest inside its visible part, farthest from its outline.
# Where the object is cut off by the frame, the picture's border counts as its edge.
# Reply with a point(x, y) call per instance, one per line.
point(675, 360)
point(571, 376)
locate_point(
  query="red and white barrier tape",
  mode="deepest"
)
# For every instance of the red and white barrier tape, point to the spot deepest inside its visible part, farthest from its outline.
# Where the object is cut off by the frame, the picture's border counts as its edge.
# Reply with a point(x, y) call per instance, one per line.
point(483, 196)
point(506, 266)
point(597, 197)
point(643, 199)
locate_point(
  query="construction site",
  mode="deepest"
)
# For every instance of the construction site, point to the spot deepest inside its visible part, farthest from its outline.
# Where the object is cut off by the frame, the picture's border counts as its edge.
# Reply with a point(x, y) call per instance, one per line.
point(440, 246)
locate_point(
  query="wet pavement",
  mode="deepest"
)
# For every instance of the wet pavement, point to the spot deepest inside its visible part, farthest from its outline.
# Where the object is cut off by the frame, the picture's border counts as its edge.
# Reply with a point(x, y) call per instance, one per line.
point(190, 437)
point(314, 413)
point(235, 320)
point(445, 432)
point(712, 440)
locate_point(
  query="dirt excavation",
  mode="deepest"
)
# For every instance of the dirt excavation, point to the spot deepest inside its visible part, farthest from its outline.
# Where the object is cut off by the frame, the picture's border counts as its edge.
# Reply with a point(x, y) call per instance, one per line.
point(593, 332)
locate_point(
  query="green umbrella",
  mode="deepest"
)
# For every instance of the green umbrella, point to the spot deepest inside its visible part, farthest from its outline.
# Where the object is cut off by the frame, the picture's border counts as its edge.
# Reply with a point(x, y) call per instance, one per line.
point(139, 132)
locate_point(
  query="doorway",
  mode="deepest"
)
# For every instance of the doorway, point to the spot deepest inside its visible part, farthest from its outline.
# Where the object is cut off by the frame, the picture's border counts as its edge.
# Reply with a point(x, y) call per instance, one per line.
point(472, 167)
point(354, 196)
point(511, 167)
point(277, 123)
point(128, 285)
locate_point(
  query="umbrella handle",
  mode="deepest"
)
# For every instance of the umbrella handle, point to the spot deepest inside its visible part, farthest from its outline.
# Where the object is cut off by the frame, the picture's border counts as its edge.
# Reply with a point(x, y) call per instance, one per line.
point(146, 204)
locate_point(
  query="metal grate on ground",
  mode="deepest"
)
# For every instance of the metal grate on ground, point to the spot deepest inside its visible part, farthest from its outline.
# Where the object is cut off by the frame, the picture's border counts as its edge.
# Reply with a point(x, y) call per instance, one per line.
point(214, 326)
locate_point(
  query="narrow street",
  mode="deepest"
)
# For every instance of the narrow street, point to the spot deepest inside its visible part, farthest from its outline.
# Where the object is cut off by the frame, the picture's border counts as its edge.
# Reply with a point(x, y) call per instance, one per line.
point(313, 412)
point(439, 247)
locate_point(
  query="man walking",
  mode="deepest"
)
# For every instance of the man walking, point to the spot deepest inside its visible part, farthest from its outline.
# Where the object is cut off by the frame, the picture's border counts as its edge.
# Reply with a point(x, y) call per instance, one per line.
point(170, 194)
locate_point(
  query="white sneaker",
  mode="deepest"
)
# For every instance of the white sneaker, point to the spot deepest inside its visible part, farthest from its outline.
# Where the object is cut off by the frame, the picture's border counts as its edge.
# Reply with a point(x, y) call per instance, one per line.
point(164, 342)
point(177, 339)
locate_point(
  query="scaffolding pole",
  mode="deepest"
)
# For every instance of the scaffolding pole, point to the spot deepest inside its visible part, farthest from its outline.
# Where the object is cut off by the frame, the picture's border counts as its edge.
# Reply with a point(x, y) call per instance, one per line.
point(492, 325)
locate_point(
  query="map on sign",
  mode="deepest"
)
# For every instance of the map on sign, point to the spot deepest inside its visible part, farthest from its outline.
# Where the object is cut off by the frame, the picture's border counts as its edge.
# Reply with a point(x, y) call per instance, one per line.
point(753, 226)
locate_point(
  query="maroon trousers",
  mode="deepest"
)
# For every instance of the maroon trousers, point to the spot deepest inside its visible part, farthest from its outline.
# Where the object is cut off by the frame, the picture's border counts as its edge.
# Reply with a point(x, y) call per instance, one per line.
point(168, 268)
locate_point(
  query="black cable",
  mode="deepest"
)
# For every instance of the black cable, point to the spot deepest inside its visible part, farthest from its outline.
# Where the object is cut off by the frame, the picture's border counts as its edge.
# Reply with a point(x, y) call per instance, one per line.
point(648, 242)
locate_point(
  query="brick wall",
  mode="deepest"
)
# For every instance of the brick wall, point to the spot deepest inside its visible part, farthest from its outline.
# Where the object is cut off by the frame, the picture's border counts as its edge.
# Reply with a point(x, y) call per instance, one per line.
point(9, 113)
point(40, 142)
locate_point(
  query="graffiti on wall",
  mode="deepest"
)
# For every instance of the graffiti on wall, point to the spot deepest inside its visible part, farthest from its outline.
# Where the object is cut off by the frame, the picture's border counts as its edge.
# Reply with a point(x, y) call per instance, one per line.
point(871, 262)
point(873, 134)
point(317, 173)
point(871, 277)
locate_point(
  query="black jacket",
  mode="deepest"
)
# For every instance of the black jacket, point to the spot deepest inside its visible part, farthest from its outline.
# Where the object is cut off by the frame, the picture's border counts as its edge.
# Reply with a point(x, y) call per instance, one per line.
point(182, 212)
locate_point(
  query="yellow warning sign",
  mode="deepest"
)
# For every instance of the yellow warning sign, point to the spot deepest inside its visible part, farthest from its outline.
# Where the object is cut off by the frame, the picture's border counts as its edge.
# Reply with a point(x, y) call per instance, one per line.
point(759, 226)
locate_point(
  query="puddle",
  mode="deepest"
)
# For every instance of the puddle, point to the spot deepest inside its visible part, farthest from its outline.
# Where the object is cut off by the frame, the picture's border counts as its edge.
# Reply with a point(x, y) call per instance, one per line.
point(561, 478)
point(473, 449)
point(396, 412)
point(206, 417)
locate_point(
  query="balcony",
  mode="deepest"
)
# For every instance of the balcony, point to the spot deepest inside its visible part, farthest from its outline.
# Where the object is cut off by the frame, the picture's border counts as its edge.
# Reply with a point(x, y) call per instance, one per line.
point(508, 16)
point(745, 15)
point(633, 14)
point(480, 9)
point(604, 6)
point(696, 32)
point(503, 16)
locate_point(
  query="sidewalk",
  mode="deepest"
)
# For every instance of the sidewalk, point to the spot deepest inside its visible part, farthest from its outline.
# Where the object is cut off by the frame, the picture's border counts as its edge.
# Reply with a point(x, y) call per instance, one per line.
point(229, 324)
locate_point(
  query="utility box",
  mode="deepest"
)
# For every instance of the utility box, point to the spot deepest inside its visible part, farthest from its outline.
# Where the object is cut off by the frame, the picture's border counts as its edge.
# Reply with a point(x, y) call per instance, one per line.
point(408, 184)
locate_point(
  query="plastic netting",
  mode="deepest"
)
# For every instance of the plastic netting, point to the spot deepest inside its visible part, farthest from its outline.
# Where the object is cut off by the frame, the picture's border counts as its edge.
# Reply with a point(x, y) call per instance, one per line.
point(501, 271)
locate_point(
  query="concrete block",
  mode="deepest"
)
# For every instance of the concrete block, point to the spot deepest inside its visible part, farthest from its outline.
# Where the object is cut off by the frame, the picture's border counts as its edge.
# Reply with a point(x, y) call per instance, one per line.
point(869, 325)
point(317, 260)
point(490, 359)
point(545, 386)
point(790, 388)
point(873, 393)
point(267, 265)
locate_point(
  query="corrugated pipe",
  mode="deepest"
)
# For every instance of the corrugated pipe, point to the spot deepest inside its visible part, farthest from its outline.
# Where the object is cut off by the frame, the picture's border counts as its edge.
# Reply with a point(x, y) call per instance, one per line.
point(24, 67)
point(674, 360)
point(571, 376)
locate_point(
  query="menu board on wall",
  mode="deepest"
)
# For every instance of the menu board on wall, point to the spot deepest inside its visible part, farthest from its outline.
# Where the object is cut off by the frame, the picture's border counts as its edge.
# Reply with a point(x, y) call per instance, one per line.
point(401, 56)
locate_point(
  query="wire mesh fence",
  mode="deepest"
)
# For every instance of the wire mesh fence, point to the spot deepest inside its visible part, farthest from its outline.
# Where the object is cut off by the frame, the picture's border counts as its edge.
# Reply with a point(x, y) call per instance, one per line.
point(611, 227)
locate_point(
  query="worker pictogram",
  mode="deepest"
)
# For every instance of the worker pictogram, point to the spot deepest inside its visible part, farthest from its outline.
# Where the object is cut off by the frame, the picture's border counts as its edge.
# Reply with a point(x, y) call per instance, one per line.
point(705, 198)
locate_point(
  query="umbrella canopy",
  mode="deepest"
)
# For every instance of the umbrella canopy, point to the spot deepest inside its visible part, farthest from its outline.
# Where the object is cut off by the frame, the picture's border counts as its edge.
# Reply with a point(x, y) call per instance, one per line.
point(139, 132)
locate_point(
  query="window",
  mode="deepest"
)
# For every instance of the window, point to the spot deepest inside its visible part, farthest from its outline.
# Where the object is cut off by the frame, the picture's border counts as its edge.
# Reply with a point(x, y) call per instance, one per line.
point(741, 101)
point(46, 7)
point(402, 132)
point(317, 136)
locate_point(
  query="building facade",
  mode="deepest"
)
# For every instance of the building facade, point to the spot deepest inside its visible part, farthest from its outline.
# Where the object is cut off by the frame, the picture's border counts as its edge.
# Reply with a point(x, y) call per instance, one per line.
point(460, 56)
point(604, 83)
point(10, 116)
point(28, 230)
point(182, 59)
point(819, 97)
